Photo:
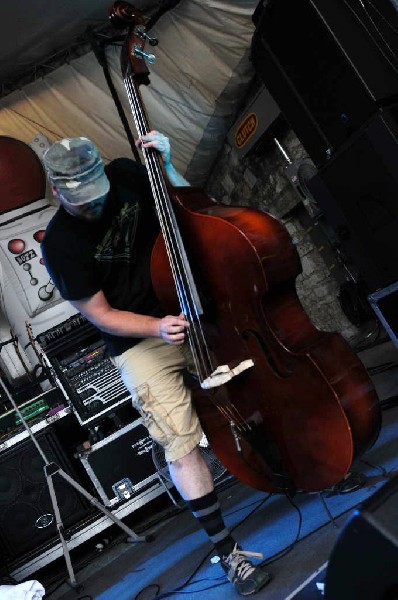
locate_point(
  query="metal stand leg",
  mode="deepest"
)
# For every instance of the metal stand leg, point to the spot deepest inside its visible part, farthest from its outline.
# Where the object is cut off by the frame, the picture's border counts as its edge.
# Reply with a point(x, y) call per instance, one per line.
point(60, 527)
point(134, 537)
point(50, 469)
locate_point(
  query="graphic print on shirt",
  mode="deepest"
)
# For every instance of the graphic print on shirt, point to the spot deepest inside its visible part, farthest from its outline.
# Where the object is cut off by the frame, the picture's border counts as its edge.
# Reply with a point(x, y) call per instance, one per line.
point(118, 242)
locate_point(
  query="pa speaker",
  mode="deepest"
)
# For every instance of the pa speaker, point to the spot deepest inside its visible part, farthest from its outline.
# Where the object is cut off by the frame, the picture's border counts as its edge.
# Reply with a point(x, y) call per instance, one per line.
point(27, 520)
point(364, 561)
point(329, 64)
point(357, 190)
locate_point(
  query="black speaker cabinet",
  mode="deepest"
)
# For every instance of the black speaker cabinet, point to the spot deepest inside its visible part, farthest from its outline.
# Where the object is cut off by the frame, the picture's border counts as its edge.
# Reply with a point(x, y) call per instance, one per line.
point(27, 521)
point(357, 191)
point(329, 64)
point(364, 561)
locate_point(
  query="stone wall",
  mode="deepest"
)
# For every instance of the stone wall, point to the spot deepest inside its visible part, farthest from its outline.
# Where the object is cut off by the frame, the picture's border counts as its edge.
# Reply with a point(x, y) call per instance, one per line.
point(259, 180)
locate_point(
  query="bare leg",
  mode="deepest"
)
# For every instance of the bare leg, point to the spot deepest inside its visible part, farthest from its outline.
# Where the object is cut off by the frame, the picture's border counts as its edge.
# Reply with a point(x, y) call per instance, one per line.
point(193, 480)
point(191, 475)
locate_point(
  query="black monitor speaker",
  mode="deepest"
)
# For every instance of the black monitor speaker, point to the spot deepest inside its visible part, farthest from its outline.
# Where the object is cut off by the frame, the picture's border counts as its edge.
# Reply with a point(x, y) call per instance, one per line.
point(357, 190)
point(329, 64)
point(27, 520)
point(363, 564)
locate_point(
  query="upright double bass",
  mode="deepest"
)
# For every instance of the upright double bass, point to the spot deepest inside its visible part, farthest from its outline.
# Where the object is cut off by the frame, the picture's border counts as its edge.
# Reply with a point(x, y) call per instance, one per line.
point(283, 405)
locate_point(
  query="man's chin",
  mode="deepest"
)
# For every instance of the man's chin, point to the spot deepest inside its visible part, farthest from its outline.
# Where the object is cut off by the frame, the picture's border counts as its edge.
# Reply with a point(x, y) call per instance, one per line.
point(93, 216)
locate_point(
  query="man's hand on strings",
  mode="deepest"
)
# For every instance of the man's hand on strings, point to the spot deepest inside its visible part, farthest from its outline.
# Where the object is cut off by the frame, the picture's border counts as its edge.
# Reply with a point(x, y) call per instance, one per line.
point(158, 141)
point(172, 329)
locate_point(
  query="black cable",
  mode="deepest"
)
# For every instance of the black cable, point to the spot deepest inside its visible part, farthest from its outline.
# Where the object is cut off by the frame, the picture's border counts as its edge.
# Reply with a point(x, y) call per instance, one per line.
point(77, 568)
point(372, 466)
point(228, 514)
point(41, 125)
point(290, 547)
point(99, 51)
point(148, 587)
point(272, 559)
point(179, 589)
point(118, 540)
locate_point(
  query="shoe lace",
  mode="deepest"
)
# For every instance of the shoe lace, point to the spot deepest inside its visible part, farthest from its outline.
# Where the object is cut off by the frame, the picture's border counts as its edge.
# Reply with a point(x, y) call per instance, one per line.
point(239, 566)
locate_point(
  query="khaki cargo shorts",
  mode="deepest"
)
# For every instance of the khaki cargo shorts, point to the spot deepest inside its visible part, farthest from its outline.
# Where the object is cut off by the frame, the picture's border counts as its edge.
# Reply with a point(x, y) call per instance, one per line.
point(153, 373)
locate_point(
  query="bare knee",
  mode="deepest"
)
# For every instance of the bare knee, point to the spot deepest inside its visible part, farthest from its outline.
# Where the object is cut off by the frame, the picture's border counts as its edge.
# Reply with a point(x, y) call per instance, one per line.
point(191, 475)
point(192, 457)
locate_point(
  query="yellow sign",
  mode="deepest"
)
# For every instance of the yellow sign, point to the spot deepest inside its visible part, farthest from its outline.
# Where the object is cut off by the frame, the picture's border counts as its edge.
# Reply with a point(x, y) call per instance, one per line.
point(246, 129)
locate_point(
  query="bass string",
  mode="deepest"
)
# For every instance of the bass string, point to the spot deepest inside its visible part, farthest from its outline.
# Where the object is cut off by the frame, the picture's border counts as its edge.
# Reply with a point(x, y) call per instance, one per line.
point(198, 343)
point(197, 340)
point(173, 242)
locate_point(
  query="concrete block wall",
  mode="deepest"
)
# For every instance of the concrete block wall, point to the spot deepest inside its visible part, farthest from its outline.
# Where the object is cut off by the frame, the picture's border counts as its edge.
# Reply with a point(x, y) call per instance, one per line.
point(259, 180)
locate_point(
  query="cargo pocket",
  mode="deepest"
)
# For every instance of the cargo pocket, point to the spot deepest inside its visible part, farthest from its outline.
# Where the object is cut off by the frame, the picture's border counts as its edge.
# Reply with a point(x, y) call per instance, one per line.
point(146, 404)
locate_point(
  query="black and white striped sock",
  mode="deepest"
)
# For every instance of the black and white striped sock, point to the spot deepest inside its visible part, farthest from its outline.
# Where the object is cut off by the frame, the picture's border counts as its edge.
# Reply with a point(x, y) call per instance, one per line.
point(207, 510)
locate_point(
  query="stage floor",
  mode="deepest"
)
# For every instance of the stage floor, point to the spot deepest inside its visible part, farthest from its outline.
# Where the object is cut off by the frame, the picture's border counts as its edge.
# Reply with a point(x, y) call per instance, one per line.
point(296, 539)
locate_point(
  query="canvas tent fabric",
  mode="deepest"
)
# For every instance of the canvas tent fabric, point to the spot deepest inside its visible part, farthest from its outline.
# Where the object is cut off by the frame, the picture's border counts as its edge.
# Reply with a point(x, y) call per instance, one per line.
point(199, 79)
point(198, 82)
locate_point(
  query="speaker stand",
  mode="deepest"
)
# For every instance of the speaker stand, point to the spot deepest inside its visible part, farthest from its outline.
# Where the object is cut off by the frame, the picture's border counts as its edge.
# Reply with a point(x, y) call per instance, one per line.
point(51, 469)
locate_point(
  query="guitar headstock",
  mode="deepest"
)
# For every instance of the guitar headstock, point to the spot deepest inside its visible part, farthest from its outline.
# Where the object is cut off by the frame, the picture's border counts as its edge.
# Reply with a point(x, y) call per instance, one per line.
point(133, 57)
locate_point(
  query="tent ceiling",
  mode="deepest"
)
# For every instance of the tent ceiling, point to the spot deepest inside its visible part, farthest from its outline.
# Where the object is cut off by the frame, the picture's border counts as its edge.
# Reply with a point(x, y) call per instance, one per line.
point(200, 78)
point(31, 31)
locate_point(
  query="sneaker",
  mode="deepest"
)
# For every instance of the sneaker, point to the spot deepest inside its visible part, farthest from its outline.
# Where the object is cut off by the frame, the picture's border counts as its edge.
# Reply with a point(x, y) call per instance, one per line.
point(245, 577)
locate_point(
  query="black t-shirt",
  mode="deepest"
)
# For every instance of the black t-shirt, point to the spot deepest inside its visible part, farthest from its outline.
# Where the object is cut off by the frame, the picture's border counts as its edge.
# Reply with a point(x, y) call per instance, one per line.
point(111, 254)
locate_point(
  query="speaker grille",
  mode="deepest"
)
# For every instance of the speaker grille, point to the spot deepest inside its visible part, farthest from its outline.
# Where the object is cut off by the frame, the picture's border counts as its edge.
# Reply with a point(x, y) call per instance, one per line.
point(27, 520)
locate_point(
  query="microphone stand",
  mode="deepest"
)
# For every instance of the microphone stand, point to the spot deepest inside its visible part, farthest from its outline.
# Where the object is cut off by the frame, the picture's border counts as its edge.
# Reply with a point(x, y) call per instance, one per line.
point(51, 469)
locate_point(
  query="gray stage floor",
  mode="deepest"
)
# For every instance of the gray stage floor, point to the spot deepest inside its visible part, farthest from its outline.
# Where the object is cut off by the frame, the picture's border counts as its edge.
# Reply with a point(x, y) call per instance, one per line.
point(180, 551)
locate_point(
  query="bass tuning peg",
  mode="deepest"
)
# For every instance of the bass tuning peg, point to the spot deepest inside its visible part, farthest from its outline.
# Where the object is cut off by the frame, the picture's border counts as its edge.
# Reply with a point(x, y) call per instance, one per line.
point(150, 58)
point(143, 35)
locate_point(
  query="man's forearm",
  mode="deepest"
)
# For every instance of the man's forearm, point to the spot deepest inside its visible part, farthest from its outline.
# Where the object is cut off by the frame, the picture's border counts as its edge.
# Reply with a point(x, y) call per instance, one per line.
point(124, 323)
point(129, 324)
point(120, 322)
point(175, 178)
